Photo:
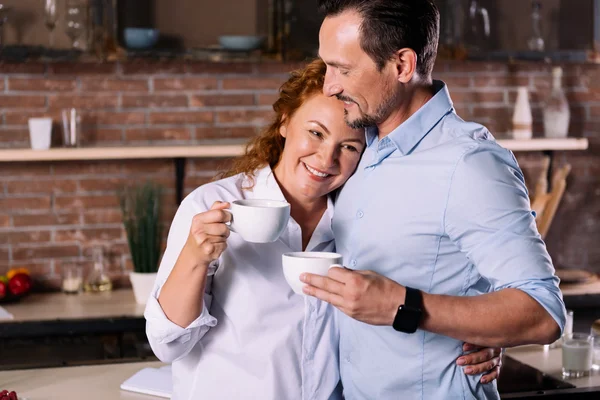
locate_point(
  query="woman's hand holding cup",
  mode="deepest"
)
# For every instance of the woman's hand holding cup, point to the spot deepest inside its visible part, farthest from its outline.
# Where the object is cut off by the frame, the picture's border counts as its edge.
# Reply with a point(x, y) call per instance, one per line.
point(208, 234)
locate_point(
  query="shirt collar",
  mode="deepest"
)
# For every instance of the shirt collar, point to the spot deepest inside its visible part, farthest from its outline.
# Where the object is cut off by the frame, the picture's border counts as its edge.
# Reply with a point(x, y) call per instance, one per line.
point(408, 134)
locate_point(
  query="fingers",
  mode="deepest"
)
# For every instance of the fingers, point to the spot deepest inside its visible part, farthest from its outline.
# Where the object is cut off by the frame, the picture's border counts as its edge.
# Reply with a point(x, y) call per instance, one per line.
point(323, 283)
point(477, 357)
point(491, 375)
point(483, 367)
point(332, 298)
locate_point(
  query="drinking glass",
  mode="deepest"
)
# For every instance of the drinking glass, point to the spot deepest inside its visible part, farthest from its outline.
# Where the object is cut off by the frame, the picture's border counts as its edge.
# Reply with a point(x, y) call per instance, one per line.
point(50, 15)
point(577, 351)
point(76, 20)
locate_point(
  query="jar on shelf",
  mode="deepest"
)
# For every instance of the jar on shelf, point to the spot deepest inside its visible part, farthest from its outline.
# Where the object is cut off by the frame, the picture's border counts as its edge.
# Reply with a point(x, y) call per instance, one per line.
point(556, 108)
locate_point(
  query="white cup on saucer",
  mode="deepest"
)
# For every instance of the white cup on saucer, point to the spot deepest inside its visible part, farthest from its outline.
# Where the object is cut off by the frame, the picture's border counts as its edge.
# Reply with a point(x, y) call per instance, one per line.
point(314, 262)
point(258, 220)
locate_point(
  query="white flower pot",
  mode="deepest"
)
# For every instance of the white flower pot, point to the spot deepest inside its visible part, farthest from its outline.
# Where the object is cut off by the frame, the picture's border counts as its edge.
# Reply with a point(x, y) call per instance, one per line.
point(142, 284)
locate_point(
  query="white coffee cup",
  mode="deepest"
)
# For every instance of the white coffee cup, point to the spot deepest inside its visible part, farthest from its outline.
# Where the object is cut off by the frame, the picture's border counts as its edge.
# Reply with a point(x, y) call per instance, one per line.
point(40, 133)
point(314, 262)
point(259, 221)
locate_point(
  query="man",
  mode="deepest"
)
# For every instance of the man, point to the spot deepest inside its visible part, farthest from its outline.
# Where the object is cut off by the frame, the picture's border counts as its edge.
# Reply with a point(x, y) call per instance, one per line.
point(435, 225)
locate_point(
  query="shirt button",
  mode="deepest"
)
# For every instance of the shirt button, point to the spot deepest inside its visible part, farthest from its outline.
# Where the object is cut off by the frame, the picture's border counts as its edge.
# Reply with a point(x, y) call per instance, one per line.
point(360, 214)
point(353, 263)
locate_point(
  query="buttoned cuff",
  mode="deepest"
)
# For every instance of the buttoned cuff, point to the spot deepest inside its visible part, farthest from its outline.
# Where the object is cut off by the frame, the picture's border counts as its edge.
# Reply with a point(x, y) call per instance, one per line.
point(165, 331)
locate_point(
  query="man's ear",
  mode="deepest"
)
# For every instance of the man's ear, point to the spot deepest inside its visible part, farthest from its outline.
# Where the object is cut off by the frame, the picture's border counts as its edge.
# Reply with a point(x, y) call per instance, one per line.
point(406, 64)
point(283, 126)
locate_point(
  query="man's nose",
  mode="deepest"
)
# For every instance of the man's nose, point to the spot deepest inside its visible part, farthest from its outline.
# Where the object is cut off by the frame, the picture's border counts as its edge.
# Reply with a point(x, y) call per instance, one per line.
point(330, 86)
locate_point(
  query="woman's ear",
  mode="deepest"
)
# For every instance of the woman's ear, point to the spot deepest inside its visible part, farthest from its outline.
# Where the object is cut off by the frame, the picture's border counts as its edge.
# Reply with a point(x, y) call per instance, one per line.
point(283, 126)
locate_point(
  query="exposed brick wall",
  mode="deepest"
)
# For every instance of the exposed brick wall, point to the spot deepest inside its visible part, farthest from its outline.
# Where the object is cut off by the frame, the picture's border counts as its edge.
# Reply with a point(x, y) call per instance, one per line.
point(53, 213)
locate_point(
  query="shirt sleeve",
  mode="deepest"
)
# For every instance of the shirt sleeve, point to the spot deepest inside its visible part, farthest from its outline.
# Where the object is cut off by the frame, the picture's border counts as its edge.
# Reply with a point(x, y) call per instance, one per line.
point(168, 340)
point(489, 217)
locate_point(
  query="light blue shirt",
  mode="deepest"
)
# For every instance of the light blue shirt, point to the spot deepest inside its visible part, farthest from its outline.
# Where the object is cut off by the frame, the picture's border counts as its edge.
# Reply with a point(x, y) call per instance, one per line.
point(439, 206)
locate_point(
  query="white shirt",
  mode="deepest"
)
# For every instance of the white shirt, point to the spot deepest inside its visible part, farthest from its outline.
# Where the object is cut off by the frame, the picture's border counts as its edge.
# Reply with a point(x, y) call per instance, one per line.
point(255, 338)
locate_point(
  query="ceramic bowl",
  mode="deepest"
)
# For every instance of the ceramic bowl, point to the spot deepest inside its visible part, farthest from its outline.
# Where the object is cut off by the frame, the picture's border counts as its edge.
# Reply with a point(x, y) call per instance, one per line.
point(241, 42)
point(140, 38)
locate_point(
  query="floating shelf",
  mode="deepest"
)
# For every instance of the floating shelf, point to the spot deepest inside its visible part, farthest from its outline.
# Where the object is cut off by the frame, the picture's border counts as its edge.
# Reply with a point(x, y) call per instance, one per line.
point(226, 150)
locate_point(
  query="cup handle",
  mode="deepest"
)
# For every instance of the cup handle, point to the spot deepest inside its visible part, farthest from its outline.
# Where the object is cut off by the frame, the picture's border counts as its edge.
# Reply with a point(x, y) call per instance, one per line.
point(336, 265)
point(230, 223)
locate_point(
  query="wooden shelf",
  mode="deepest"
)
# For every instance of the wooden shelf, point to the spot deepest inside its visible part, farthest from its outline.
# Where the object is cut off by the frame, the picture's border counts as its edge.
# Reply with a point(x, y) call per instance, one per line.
point(226, 150)
point(545, 144)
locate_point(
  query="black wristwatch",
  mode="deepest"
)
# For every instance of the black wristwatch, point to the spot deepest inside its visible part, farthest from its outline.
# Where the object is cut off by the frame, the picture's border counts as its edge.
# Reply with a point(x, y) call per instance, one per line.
point(409, 314)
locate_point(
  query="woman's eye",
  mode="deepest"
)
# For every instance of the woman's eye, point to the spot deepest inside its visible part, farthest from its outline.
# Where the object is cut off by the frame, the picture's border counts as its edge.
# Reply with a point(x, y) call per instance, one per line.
point(316, 133)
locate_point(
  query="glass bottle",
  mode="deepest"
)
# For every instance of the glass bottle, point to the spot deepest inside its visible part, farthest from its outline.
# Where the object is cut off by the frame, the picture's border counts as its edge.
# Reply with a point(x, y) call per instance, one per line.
point(98, 280)
point(522, 119)
point(556, 108)
point(536, 42)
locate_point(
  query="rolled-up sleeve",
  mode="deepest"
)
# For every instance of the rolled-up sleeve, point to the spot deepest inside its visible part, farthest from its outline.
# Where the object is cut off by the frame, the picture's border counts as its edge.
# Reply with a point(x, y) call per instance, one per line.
point(488, 216)
point(168, 340)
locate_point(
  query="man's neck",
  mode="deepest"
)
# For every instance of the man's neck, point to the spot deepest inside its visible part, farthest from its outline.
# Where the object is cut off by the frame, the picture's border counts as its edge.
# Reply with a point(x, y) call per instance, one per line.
point(416, 98)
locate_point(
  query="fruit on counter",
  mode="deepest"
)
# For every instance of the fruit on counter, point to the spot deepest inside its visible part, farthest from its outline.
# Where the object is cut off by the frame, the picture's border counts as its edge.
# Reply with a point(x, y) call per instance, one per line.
point(19, 284)
point(3, 290)
point(6, 395)
point(13, 271)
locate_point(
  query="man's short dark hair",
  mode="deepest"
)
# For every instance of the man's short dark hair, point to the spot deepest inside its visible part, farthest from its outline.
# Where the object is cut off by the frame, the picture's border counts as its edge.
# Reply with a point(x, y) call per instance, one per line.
point(390, 25)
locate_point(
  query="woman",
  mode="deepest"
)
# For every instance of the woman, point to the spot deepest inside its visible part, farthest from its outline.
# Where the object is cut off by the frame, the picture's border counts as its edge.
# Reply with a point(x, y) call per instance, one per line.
point(247, 335)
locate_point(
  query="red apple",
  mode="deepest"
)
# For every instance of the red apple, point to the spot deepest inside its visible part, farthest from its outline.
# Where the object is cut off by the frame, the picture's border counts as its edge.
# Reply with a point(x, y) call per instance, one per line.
point(3, 292)
point(19, 284)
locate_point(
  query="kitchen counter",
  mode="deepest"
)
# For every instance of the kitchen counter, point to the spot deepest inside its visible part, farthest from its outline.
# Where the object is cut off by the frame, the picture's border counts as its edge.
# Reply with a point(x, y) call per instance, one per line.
point(43, 314)
point(98, 382)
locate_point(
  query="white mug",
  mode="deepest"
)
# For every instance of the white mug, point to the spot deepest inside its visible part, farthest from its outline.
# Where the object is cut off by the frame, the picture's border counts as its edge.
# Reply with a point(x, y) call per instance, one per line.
point(259, 221)
point(314, 262)
point(40, 133)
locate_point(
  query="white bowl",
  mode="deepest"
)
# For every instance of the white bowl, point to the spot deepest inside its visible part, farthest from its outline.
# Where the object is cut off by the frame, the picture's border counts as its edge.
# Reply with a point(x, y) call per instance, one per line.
point(241, 42)
point(315, 262)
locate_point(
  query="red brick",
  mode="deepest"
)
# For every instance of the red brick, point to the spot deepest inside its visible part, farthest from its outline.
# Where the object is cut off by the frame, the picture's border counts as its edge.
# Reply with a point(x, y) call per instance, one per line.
point(279, 67)
point(114, 85)
point(85, 202)
point(88, 234)
point(207, 166)
point(154, 101)
point(4, 221)
point(84, 101)
point(82, 68)
point(41, 186)
point(501, 81)
point(267, 99)
point(149, 167)
point(108, 216)
point(475, 66)
point(225, 133)
point(102, 184)
point(12, 204)
point(583, 96)
point(36, 236)
point(2, 85)
point(101, 135)
point(4, 255)
point(22, 68)
point(27, 253)
point(152, 67)
point(45, 219)
point(12, 117)
point(22, 101)
point(477, 97)
point(455, 82)
point(253, 83)
point(499, 113)
point(86, 167)
point(41, 85)
point(245, 116)
point(13, 136)
point(202, 67)
point(195, 117)
point(158, 134)
point(222, 100)
point(114, 118)
point(186, 84)
point(17, 169)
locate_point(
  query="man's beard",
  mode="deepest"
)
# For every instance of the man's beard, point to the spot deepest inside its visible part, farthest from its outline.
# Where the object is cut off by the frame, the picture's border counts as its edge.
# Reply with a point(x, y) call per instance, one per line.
point(366, 120)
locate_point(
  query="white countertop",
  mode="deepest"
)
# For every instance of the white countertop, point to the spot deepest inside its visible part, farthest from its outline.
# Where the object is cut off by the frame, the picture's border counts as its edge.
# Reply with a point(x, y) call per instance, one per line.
point(53, 306)
point(98, 382)
point(549, 361)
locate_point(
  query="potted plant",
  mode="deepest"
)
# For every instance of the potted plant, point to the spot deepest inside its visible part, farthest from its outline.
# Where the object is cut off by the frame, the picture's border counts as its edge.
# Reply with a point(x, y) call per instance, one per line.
point(141, 208)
